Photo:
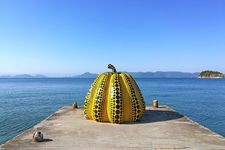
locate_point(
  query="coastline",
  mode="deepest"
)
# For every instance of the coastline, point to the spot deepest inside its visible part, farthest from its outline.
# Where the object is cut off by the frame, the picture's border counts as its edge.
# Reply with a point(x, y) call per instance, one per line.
point(64, 126)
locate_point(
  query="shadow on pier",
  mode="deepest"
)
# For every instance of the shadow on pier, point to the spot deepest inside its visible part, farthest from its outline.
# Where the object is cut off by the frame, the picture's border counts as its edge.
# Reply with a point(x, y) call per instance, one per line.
point(152, 116)
point(47, 140)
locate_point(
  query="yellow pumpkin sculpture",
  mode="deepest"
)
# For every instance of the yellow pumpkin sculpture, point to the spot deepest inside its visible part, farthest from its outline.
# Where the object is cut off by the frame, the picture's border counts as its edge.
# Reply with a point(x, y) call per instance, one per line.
point(114, 97)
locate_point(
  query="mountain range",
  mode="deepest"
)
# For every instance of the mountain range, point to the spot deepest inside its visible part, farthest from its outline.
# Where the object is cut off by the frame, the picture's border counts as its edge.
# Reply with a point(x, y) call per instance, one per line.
point(158, 74)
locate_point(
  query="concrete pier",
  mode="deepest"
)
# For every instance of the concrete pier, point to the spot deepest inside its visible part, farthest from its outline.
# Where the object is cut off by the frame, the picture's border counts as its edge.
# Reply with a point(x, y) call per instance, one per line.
point(160, 129)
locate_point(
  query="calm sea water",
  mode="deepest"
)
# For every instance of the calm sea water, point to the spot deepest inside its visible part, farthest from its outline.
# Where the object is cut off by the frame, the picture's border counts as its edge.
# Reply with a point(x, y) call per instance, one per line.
point(25, 102)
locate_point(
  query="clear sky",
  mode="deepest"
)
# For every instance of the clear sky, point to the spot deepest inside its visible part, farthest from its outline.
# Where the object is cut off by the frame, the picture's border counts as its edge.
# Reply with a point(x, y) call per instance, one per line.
point(72, 37)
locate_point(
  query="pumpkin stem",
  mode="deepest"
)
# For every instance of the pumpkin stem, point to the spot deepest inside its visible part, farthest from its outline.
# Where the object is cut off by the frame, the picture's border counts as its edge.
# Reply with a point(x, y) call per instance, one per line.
point(110, 66)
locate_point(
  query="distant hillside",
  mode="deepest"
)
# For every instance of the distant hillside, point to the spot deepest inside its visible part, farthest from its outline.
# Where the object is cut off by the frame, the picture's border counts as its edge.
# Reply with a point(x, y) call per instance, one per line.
point(23, 76)
point(87, 75)
point(158, 74)
point(5, 76)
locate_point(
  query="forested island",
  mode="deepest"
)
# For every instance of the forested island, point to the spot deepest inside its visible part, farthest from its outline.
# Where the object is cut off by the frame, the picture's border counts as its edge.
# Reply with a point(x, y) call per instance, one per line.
point(211, 74)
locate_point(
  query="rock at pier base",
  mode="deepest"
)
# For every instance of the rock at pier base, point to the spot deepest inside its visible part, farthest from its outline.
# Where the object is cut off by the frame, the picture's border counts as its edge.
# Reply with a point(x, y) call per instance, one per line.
point(74, 105)
point(38, 137)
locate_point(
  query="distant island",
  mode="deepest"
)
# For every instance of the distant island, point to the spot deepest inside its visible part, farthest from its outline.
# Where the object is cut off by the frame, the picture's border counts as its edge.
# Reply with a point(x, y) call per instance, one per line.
point(211, 74)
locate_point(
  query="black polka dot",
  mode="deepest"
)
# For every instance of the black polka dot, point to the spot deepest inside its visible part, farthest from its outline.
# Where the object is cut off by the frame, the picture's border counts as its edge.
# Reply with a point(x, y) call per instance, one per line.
point(117, 117)
point(117, 111)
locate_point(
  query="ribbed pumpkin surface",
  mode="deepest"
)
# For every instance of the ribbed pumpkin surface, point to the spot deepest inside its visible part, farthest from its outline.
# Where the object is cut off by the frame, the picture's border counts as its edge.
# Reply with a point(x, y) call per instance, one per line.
point(115, 98)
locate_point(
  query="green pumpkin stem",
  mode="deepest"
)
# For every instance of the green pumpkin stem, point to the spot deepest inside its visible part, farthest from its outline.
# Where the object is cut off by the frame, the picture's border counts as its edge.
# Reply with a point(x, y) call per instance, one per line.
point(110, 66)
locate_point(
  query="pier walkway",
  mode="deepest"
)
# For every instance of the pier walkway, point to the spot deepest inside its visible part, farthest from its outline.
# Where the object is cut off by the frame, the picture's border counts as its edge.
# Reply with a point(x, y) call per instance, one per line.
point(160, 129)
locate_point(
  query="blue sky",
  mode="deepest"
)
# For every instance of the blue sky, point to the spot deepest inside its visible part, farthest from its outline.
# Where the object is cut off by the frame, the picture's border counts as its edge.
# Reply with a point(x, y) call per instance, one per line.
point(71, 37)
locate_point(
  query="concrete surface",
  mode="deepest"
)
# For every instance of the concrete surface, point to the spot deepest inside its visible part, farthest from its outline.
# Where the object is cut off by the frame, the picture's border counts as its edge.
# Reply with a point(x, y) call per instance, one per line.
point(160, 129)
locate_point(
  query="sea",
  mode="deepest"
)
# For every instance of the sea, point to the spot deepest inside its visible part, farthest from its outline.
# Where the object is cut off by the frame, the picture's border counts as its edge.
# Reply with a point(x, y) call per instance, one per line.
point(26, 102)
